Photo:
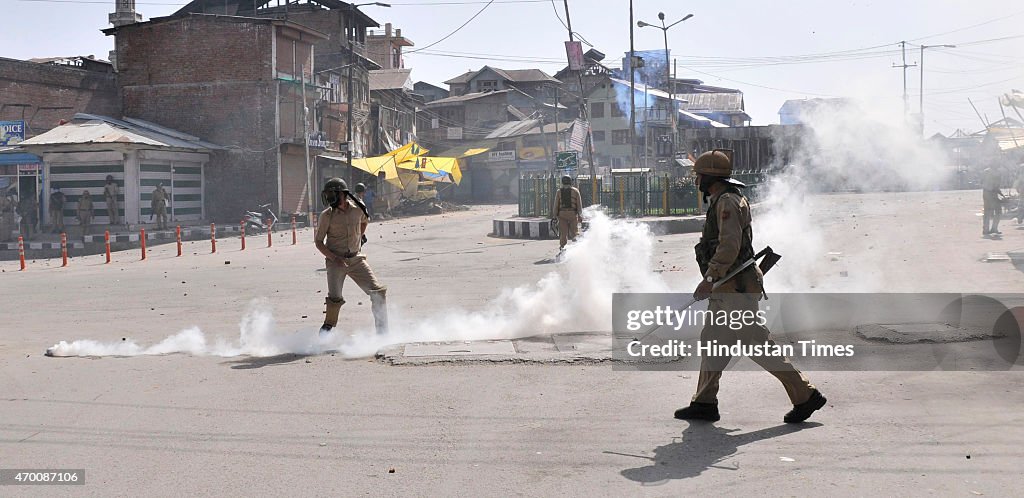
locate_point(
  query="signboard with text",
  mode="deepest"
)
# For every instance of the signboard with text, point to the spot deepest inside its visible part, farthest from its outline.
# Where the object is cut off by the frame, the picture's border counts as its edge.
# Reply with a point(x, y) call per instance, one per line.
point(501, 155)
point(12, 132)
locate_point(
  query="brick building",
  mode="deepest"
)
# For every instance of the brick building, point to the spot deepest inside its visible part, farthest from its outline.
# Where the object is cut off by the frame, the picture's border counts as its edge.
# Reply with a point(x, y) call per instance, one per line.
point(43, 93)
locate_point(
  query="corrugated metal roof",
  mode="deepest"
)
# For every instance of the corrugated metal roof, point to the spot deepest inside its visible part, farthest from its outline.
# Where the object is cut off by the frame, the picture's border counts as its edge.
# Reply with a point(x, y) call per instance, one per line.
point(390, 79)
point(513, 75)
point(465, 98)
point(527, 127)
point(712, 102)
point(93, 129)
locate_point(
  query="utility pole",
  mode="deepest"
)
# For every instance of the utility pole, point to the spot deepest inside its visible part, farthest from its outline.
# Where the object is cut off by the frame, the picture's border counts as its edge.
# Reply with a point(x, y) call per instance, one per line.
point(584, 110)
point(920, 103)
point(632, 92)
point(349, 135)
point(906, 101)
point(558, 145)
point(305, 140)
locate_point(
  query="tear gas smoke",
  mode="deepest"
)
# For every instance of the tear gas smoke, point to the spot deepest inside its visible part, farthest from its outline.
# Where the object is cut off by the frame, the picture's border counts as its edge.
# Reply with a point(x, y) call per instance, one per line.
point(578, 297)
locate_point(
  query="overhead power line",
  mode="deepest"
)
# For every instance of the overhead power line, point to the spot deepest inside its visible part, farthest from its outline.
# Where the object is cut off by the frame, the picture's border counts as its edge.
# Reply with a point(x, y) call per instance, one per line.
point(449, 35)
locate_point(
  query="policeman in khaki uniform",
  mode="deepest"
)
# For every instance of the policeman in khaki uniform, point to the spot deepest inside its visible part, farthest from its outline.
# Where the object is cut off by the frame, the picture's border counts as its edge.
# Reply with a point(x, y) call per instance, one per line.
point(725, 244)
point(339, 237)
point(110, 194)
point(85, 212)
point(158, 205)
point(567, 208)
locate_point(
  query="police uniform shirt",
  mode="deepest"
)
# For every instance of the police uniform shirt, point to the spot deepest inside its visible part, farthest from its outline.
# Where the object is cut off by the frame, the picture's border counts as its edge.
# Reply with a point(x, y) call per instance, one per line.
point(343, 228)
point(577, 200)
point(733, 214)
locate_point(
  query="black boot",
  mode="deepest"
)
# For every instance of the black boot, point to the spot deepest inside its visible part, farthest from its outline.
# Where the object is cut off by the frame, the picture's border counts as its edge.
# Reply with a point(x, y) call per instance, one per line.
point(699, 411)
point(325, 328)
point(801, 412)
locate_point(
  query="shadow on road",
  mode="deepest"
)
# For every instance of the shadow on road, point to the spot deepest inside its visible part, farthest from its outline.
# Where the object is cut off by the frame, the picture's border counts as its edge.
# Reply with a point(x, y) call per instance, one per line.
point(265, 361)
point(701, 447)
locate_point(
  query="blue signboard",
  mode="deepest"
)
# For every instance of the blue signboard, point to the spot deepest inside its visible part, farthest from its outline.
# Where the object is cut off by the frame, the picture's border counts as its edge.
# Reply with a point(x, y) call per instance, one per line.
point(11, 132)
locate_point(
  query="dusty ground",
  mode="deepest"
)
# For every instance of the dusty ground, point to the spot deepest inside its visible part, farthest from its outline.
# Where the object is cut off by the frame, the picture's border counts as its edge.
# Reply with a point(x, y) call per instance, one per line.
point(181, 425)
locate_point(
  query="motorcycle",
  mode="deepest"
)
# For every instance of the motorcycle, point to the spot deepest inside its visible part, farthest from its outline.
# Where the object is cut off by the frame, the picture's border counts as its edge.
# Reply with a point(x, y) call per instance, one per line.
point(260, 220)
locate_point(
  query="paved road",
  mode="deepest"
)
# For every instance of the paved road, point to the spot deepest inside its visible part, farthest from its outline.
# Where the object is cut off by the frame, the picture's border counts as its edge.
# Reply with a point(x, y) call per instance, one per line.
point(187, 425)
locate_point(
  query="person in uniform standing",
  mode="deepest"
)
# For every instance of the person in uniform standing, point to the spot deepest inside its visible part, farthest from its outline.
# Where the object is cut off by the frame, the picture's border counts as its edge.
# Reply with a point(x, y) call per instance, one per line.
point(6, 217)
point(725, 244)
point(158, 205)
point(1018, 185)
point(28, 208)
point(567, 209)
point(110, 194)
point(57, 210)
point(85, 212)
point(340, 234)
point(990, 194)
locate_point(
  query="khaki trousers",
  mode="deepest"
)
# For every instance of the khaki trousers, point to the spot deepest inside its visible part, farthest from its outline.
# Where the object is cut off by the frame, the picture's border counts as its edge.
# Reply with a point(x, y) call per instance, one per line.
point(993, 210)
point(355, 268)
point(797, 386)
point(567, 227)
point(112, 211)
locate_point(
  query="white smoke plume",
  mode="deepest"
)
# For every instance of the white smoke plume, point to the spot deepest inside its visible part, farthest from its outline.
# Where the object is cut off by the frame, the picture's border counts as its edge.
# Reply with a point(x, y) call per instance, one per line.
point(577, 296)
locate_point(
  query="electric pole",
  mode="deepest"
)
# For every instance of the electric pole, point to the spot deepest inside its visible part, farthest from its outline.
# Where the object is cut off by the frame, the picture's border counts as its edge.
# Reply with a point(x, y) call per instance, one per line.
point(904, 66)
point(584, 110)
point(632, 92)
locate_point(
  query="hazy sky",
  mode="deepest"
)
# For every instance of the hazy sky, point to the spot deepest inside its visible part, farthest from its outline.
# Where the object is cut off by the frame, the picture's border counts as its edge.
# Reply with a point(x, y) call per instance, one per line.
point(750, 45)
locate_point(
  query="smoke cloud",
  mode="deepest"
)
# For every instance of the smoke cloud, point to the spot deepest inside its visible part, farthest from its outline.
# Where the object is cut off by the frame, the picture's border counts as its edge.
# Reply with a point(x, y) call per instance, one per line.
point(578, 296)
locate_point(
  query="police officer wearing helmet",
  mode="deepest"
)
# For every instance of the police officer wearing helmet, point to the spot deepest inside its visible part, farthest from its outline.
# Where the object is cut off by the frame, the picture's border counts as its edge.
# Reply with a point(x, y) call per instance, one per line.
point(567, 209)
point(339, 237)
point(725, 244)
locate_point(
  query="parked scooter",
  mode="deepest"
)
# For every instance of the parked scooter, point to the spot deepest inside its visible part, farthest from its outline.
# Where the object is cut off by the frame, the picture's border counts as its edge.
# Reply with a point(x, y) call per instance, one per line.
point(260, 220)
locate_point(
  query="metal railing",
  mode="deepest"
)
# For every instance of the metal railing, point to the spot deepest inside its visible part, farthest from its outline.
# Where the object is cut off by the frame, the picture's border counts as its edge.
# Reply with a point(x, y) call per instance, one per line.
point(634, 195)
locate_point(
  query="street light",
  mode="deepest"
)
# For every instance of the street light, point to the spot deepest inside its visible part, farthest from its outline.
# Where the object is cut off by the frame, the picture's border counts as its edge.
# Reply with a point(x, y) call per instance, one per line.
point(668, 73)
point(351, 53)
point(921, 91)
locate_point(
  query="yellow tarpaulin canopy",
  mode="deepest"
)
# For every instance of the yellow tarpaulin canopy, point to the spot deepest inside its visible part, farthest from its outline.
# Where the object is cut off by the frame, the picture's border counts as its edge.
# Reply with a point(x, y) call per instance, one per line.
point(388, 162)
point(435, 166)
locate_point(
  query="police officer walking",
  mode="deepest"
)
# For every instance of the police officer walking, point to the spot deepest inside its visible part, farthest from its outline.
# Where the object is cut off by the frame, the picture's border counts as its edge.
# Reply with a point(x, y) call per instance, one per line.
point(725, 244)
point(339, 237)
point(567, 209)
point(993, 209)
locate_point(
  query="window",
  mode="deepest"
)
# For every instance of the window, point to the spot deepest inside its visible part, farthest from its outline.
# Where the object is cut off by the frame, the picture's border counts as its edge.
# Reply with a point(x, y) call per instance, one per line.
point(598, 136)
point(620, 137)
point(597, 110)
point(616, 111)
point(486, 85)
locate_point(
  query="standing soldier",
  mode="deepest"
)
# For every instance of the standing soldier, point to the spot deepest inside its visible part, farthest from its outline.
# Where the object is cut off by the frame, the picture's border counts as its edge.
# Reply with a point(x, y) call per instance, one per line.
point(990, 194)
point(28, 208)
point(158, 204)
point(567, 209)
point(6, 217)
point(339, 237)
point(725, 244)
point(110, 194)
point(85, 212)
point(57, 210)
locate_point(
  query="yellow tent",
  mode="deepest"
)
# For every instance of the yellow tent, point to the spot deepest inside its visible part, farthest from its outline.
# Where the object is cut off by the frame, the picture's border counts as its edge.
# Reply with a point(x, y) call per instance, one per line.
point(388, 162)
point(434, 167)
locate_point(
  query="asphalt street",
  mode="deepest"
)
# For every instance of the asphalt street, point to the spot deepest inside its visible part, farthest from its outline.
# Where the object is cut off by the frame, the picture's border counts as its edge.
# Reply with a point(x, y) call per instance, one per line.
point(181, 425)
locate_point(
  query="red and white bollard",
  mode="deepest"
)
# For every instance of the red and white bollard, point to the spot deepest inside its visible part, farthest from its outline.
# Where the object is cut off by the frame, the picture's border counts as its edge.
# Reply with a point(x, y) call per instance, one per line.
point(295, 239)
point(178, 232)
point(21, 252)
point(213, 238)
point(243, 234)
point(142, 240)
point(106, 242)
point(64, 248)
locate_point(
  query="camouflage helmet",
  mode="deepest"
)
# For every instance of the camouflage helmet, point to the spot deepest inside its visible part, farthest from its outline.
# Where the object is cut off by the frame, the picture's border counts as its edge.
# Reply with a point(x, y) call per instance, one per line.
point(566, 180)
point(335, 184)
point(360, 188)
point(717, 162)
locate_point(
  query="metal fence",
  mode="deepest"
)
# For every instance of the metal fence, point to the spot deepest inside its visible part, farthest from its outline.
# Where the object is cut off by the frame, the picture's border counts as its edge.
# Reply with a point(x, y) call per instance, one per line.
point(633, 195)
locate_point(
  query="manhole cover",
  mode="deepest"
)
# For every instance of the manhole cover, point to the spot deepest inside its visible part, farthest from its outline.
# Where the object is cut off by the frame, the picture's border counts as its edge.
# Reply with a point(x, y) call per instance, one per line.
point(473, 348)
